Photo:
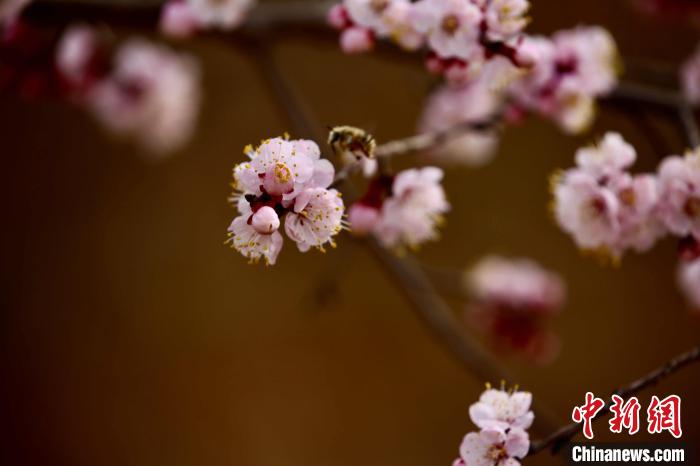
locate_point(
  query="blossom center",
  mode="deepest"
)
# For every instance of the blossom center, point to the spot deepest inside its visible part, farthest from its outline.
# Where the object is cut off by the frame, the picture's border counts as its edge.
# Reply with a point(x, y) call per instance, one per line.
point(628, 197)
point(282, 173)
point(497, 453)
point(450, 24)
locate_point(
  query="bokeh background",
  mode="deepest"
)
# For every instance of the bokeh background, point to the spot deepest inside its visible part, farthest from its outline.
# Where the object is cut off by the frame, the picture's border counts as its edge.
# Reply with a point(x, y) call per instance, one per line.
point(130, 335)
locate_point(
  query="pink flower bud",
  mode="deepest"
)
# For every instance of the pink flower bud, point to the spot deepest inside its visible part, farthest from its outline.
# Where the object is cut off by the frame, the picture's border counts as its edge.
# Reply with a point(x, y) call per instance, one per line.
point(266, 221)
point(178, 20)
point(278, 179)
point(356, 40)
point(362, 218)
point(338, 17)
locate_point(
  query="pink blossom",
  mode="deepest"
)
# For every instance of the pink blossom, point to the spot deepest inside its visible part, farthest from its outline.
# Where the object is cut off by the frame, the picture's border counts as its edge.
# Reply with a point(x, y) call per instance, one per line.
point(690, 78)
point(362, 218)
point(369, 14)
point(679, 186)
point(689, 281)
point(10, 9)
point(411, 214)
point(356, 40)
point(494, 447)
point(178, 19)
point(78, 57)
point(505, 19)
point(516, 284)
point(251, 242)
point(220, 14)
point(316, 218)
point(338, 17)
point(152, 95)
point(450, 26)
point(502, 410)
point(609, 157)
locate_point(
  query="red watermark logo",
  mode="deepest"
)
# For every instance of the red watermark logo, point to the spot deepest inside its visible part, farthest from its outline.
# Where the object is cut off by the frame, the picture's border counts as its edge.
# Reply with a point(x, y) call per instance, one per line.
point(662, 415)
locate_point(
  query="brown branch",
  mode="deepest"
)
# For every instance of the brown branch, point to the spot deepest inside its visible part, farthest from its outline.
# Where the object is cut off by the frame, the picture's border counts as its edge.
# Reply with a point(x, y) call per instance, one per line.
point(560, 437)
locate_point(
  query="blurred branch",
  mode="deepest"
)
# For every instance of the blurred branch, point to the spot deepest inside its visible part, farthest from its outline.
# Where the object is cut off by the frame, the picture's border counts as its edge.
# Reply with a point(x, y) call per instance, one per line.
point(560, 437)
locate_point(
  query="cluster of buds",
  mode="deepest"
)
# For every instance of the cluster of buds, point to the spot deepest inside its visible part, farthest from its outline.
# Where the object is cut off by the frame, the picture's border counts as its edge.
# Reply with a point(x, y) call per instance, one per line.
point(183, 18)
point(503, 417)
point(141, 90)
point(284, 180)
point(608, 210)
point(513, 303)
point(461, 34)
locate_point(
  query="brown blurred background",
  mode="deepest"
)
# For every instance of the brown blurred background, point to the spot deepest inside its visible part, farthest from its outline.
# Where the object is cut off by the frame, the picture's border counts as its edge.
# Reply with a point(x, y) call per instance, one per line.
point(131, 336)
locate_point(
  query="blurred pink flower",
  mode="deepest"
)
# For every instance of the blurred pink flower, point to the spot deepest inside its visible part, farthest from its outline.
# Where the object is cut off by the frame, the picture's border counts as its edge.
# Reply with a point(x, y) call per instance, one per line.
point(10, 10)
point(503, 410)
point(505, 19)
point(690, 78)
point(494, 447)
point(151, 95)
point(679, 185)
point(356, 40)
point(178, 19)
point(411, 215)
point(220, 14)
point(515, 284)
point(610, 156)
point(689, 281)
point(362, 218)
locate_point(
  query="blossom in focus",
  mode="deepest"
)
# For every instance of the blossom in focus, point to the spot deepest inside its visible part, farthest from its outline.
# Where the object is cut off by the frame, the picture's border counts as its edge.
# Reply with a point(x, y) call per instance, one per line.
point(182, 17)
point(452, 27)
point(690, 78)
point(284, 180)
point(493, 447)
point(679, 186)
point(605, 208)
point(502, 409)
point(688, 276)
point(152, 95)
point(567, 74)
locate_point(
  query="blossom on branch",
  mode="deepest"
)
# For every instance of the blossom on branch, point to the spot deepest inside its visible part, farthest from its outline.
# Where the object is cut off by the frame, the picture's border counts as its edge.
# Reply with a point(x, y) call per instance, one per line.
point(602, 206)
point(284, 179)
point(402, 211)
point(181, 18)
point(679, 185)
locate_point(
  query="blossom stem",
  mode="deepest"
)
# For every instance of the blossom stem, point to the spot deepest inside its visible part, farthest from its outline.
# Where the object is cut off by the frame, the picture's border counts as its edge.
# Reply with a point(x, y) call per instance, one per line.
point(560, 437)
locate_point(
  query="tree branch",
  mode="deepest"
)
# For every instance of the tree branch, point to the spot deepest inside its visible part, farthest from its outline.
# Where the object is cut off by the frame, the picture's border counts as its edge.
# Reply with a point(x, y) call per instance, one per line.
point(561, 436)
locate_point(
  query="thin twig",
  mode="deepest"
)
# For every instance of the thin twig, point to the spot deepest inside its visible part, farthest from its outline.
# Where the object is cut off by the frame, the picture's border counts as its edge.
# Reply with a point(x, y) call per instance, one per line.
point(561, 436)
point(685, 113)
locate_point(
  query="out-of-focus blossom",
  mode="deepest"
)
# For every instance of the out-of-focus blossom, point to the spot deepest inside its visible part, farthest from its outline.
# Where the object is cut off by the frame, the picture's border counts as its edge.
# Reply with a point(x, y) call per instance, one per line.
point(178, 19)
point(602, 206)
point(567, 74)
point(502, 409)
point(181, 18)
point(284, 179)
point(152, 95)
point(679, 185)
point(514, 300)
point(689, 281)
point(476, 102)
point(493, 447)
point(80, 59)
point(690, 78)
point(505, 18)
point(361, 21)
point(10, 9)
point(403, 211)
point(356, 40)
point(515, 284)
point(411, 215)
point(452, 27)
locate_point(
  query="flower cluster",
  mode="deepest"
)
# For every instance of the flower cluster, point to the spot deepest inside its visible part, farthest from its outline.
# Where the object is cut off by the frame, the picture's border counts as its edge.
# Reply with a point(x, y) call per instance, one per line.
point(284, 179)
point(182, 18)
point(503, 418)
point(690, 78)
point(143, 91)
point(461, 34)
point(403, 210)
point(608, 210)
point(568, 72)
point(513, 302)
